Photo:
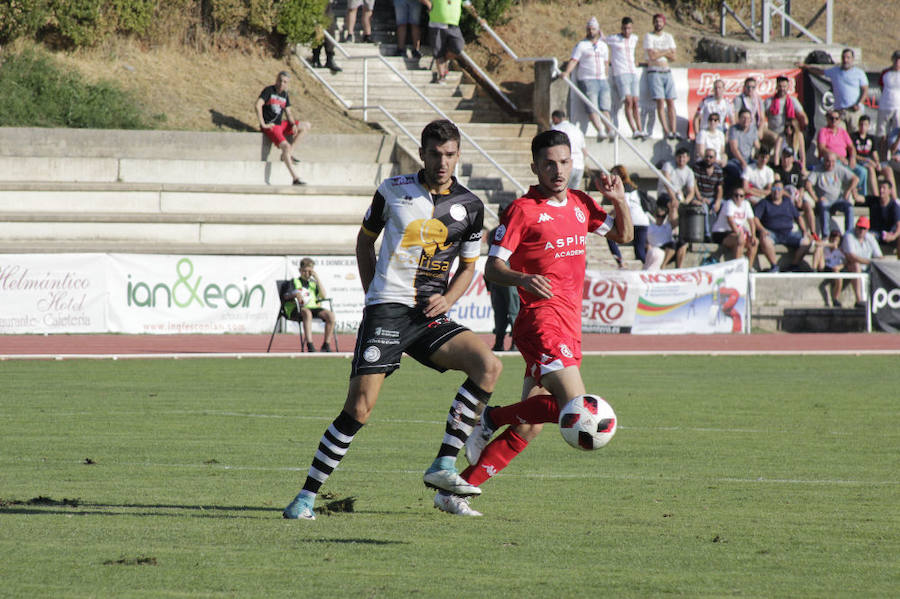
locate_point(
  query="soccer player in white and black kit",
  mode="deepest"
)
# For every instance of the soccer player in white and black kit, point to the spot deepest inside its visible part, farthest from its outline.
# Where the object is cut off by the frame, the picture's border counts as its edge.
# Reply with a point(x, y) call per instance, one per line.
point(542, 235)
point(428, 220)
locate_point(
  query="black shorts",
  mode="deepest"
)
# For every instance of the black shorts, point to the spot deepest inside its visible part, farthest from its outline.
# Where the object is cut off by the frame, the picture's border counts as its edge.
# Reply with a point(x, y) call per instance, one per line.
point(388, 330)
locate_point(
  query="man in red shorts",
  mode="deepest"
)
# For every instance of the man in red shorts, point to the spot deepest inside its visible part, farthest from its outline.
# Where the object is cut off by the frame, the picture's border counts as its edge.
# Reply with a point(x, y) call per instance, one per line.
point(272, 105)
point(543, 236)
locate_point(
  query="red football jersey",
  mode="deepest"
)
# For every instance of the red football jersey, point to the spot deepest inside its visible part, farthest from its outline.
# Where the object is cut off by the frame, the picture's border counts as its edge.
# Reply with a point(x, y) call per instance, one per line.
point(540, 235)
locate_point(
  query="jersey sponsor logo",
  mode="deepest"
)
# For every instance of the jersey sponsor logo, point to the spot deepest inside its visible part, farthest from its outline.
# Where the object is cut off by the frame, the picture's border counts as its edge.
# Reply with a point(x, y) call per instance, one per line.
point(458, 212)
point(403, 180)
point(430, 235)
point(499, 233)
point(579, 215)
point(372, 354)
point(564, 242)
point(564, 350)
point(544, 217)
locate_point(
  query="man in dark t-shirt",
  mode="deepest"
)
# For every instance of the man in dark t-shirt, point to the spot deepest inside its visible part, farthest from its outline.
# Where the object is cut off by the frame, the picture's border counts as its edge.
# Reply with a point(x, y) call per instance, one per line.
point(884, 215)
point(272, 105)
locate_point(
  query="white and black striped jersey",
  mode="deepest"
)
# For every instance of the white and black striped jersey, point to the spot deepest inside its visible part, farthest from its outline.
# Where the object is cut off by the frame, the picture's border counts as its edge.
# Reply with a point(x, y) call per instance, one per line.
point(423, 233)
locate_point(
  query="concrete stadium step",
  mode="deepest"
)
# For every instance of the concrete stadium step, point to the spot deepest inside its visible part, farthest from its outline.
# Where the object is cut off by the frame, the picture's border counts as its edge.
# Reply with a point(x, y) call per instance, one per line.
point(196, 238)
point(188, 145)
point(171, 203)
point(154, 170)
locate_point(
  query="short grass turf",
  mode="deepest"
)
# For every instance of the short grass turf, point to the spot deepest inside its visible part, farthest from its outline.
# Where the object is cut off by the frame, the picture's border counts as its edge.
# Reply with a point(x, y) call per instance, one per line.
point(729, 476)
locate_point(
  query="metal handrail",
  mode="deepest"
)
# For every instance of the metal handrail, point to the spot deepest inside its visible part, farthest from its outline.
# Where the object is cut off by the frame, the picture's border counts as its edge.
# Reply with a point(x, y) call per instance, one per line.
point(725, 10)
point(769, 10)
point(349, 105)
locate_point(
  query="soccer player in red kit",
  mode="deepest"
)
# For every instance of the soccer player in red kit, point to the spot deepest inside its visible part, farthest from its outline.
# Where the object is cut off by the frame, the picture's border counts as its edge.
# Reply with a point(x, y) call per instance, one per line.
point(542, 235)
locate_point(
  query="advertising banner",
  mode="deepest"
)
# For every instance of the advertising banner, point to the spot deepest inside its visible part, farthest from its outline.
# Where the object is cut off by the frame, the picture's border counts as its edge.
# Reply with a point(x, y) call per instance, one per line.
point(705, 299)
point(885, 301)
point(52, 293)
point(340, 277)
point(700, 83)
point(192, 294)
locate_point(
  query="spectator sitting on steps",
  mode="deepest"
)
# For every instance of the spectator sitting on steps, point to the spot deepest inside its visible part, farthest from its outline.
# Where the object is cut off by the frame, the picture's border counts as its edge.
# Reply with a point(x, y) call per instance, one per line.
point(272, 105)
point(860, 247)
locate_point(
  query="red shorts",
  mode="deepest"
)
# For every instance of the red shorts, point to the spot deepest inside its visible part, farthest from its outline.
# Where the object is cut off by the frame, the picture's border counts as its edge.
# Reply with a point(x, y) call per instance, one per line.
point(545, 344)
point(277, 133)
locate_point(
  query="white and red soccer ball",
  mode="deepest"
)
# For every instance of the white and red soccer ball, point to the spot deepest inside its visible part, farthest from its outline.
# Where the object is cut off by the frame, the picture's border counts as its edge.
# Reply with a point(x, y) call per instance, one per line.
point(587, 422)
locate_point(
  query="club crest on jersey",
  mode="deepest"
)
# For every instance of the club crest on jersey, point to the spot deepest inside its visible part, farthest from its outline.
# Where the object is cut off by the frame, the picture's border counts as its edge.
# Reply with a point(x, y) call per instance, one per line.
point(579, 215)
point(457, 212)
point(499, 233)
point(564, 350)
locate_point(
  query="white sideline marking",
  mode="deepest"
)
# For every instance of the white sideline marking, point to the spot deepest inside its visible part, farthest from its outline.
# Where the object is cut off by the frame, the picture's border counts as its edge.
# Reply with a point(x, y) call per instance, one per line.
point(305, 355)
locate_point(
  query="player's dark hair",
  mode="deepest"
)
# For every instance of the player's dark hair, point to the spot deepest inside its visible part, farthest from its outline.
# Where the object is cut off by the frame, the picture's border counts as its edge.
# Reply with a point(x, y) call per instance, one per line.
point(548, 139)
point(626, 20)
point(441, 131)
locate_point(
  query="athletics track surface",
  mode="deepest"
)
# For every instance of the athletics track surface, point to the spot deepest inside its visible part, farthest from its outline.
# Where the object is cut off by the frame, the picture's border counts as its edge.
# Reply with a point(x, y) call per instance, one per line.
point(13, 346)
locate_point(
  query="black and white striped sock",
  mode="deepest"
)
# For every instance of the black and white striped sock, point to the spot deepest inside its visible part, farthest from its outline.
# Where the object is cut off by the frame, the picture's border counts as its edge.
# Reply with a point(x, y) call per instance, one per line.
point(332, 448)
point(461, 418)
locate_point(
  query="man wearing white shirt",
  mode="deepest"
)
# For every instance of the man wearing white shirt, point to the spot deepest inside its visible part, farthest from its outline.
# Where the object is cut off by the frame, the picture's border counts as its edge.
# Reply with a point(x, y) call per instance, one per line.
point(576, 141)
point(716, 103)
point(680, 176)
point(889, 103)
point(659, 47)
point(860, 247)
point(624, 75)
point(591, 55)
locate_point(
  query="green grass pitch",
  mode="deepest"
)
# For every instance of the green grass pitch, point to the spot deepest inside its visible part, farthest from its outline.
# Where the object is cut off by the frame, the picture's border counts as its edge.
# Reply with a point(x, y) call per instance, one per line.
point(749, 476)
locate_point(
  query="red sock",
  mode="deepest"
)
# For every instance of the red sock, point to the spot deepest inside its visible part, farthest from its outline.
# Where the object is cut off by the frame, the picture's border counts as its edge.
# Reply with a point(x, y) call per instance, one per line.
point(495, 457)
point(537, 409)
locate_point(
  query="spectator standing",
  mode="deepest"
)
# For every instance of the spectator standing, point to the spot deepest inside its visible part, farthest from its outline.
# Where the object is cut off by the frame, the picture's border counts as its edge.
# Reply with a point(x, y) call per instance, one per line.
point(680, 176)
point(748, 99)
point(835, 139)
point(742, 141)
point(590, 56)
point(860, 247)
point(624, 74)
point(272, 106)
point(889, 103)
point(849, 85)
point(710, 189)
point(758, 176)
point(326, 43)
point(777, 215)
point(716, 104)
point(408, 15)
point(735, 228)
point(505, 303)
point(576, 142)
point(832, 185)
point(446, 38)
point(781, 108)
point(711, 138)
point(884, 215)
point(660, 50)
point(353, 7)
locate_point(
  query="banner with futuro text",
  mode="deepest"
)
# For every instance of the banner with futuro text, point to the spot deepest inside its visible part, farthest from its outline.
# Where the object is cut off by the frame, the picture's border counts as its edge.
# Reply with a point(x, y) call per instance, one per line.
point(53, 293)
point(705, 299)
point(192, 294)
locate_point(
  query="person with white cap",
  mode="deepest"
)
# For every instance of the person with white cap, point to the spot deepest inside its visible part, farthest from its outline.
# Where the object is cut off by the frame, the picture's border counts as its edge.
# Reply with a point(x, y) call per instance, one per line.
point(591, 56)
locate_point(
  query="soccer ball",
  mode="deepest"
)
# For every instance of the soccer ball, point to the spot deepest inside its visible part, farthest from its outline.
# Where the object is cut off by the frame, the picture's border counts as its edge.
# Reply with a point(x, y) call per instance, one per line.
point(587, 422)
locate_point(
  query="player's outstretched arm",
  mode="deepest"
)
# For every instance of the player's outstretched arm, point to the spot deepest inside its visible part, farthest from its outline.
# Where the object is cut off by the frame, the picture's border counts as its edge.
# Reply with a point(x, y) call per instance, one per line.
point(612, 189)
point(497, 271)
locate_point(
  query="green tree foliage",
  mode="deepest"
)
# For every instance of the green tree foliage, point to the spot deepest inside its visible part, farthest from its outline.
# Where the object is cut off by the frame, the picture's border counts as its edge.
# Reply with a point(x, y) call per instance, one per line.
point(36, 92)
point(492, 11)
point(21, 18)
point(301, 21)
point(80, 21)
point(134, 16)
